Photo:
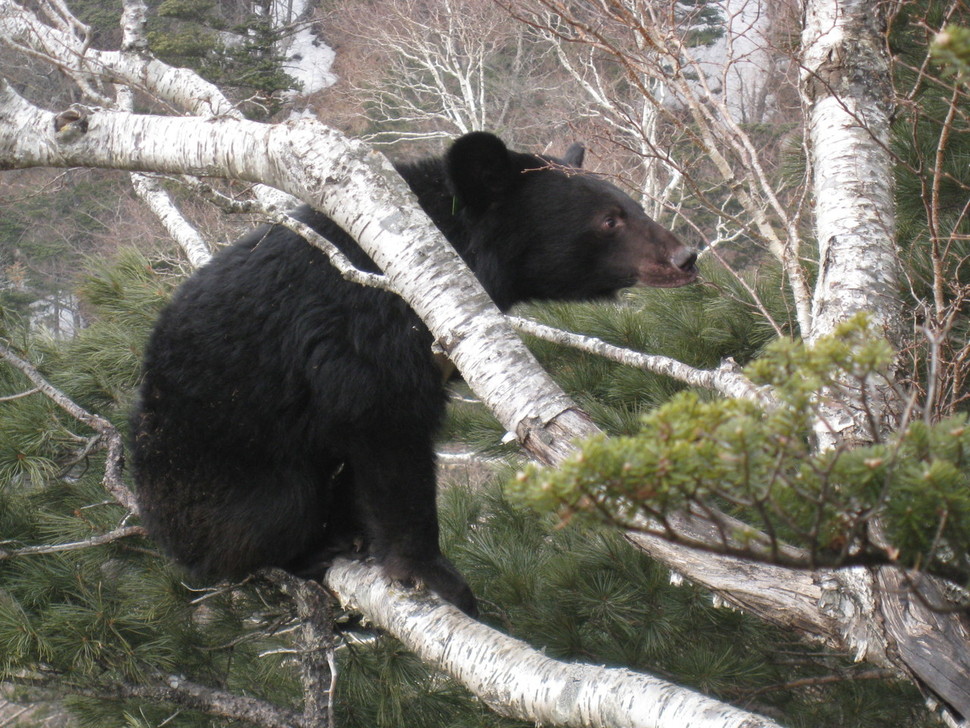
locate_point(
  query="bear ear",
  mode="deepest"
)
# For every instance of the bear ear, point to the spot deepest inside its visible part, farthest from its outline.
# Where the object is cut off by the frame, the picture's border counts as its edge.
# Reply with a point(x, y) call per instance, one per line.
point(574, 155)
point(479, 169)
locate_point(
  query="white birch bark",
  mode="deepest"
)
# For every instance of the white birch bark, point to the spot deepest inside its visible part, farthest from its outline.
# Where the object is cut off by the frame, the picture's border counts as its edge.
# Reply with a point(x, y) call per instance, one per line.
point(188, 238)
point(147, 188)
point(886, 615)
point(517, 681)
point(69, 51)
point(727, 379)
point(846, 85)
point(22, 30)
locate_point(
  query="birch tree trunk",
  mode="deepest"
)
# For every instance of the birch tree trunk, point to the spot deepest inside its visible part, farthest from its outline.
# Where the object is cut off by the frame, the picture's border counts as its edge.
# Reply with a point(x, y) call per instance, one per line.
point(847, 90)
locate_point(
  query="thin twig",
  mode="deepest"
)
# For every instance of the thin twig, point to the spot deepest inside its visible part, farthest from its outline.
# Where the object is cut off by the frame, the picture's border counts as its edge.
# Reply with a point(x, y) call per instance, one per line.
point(99, 540)
point(12, 397)
point(108, 433)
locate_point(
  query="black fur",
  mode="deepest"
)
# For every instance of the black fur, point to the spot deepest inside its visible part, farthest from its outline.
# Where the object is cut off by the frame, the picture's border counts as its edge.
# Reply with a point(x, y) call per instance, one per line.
point(287, 415)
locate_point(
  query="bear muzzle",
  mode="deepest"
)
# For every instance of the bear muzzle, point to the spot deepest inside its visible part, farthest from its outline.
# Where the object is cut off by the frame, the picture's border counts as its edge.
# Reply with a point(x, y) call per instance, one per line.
point(679, 270)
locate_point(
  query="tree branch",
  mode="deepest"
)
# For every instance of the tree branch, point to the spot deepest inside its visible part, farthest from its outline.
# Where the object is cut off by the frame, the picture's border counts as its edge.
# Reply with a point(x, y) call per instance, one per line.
point(106, 431)
point(176, 690)
point(318, 669)
point(99, 540)
point(517, 681)
point(726, 379)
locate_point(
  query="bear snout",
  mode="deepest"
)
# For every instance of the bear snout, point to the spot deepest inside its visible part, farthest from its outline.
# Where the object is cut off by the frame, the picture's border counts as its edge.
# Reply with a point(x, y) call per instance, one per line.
point(684, 259)
point(679, 269)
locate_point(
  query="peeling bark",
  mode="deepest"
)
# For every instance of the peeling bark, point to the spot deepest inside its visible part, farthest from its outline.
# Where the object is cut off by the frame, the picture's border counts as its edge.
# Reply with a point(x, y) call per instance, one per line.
point(890, 617)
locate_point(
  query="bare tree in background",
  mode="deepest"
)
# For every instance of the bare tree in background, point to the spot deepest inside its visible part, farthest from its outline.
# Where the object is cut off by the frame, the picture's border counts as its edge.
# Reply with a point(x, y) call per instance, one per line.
point(421, 70)
point(680, 116)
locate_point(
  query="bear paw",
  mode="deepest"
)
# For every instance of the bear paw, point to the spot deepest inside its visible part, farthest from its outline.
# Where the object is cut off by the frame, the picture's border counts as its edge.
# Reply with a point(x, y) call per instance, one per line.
point(437, 574)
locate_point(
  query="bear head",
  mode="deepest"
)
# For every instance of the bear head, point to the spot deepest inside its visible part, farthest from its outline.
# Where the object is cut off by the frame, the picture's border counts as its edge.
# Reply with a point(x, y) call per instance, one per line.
point(558, 232)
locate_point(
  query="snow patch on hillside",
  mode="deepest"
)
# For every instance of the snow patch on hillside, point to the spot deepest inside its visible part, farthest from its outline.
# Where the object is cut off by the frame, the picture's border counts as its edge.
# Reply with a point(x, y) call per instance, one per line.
point(309, 59)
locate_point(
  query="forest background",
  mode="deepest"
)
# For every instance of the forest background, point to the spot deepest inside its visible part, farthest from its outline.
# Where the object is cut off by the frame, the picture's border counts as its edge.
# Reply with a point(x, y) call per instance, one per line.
point(711, 132)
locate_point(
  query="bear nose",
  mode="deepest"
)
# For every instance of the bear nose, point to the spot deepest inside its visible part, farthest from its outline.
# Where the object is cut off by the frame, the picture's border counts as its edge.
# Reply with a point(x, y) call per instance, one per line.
point(684, 259)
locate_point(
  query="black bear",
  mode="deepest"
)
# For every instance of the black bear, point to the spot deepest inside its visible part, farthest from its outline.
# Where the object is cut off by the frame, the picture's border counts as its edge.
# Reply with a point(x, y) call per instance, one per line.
point(286, 414)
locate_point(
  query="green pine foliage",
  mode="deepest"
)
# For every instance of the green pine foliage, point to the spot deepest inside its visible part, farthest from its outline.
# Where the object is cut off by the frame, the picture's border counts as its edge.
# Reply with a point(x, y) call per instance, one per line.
point(952, 47)
point(100, 366)
point(583, 593)
point(703, 19)
point(383, 685)
point(931, 141)
point(760, 463)
point(101, 16)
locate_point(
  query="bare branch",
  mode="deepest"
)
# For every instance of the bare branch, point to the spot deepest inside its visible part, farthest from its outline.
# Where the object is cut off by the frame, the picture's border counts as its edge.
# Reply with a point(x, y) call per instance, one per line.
point(727, 379)
point(316, 646)
point(21, 395)
point(114, 535)
point(112, 438)
point(176, 690)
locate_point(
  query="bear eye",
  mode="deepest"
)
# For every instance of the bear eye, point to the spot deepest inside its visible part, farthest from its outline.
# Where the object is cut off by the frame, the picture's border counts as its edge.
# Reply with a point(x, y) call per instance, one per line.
point(611, 222)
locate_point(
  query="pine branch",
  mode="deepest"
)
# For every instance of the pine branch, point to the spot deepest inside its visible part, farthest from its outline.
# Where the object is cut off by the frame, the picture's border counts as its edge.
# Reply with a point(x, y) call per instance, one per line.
point(809, 682)
point(60, 399)
point(106, 431)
